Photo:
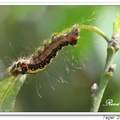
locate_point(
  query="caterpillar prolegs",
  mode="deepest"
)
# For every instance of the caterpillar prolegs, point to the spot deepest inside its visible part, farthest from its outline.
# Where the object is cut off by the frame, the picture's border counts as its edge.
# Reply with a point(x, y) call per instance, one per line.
point(44, 54)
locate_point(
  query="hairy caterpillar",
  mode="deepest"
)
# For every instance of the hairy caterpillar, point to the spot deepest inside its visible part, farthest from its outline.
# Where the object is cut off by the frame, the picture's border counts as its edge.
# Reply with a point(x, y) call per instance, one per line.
point(44, 54)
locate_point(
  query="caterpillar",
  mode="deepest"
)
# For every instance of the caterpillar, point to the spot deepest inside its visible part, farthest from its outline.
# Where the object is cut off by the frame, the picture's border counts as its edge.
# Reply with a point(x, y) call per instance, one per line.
point(43, 56)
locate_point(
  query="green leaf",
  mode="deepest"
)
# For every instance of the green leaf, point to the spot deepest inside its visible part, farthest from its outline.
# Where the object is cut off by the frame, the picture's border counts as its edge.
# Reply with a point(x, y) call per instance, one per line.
point(9, 89)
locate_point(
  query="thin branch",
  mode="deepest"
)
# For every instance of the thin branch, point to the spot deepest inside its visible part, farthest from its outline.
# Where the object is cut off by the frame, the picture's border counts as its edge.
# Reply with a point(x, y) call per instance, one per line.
point(93, 28)
point(113, 47)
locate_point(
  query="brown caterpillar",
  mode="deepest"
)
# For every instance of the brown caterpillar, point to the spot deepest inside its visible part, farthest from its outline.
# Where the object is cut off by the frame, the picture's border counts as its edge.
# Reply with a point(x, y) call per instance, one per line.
point(44, 54)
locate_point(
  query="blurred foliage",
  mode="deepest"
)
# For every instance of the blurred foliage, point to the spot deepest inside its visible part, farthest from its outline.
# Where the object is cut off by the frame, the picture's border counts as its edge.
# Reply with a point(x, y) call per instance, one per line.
point(61, 86)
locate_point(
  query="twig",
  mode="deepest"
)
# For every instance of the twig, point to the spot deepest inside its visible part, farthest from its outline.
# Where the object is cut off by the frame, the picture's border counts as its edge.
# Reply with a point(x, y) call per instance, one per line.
point(109, 68)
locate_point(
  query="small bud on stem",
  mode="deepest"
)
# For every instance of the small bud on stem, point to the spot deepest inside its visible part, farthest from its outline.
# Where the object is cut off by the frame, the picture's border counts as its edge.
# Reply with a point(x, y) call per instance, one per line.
point(94, 88)
point(112, 68)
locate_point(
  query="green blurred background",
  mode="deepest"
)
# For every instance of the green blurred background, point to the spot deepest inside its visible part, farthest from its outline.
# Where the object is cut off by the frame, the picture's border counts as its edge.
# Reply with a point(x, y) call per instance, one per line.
point(65, 85)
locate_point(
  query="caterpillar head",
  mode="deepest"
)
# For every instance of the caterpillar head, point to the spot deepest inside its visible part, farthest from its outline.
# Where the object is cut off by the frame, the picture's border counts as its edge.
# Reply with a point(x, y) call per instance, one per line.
point(19, 68)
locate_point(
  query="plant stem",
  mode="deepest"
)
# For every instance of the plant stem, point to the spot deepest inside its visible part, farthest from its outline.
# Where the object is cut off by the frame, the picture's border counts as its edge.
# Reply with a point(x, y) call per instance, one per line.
point(106, 75)
point(93, 28)
point(113, 47)
point(97, 97)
